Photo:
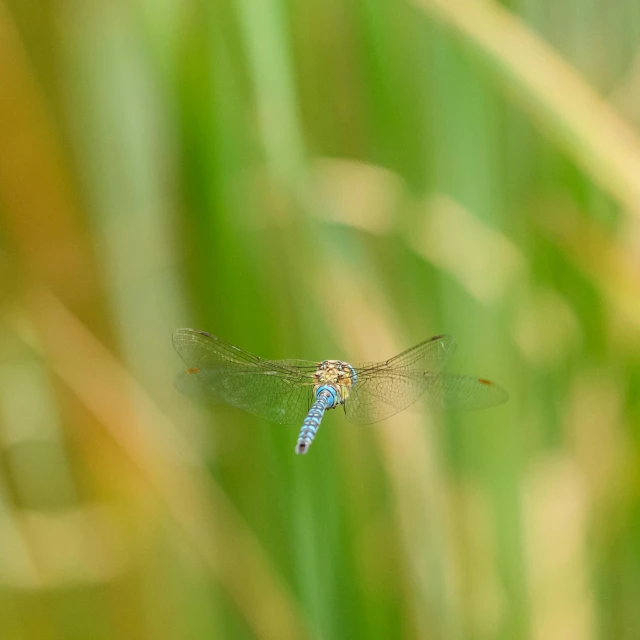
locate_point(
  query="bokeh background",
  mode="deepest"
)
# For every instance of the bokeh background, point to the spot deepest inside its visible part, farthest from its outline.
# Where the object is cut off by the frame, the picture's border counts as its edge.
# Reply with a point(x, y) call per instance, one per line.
point(319, 180)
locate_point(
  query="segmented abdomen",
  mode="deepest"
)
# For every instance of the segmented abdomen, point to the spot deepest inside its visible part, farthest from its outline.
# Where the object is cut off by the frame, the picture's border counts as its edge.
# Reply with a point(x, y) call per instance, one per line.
point(326, 398)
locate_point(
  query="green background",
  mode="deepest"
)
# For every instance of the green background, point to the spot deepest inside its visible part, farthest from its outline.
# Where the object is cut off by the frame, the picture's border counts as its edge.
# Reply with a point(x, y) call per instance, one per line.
point(307, 179)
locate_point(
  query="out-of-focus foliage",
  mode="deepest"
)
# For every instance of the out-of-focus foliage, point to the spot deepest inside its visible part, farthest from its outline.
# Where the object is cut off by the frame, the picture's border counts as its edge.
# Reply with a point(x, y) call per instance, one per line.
point(312, 180)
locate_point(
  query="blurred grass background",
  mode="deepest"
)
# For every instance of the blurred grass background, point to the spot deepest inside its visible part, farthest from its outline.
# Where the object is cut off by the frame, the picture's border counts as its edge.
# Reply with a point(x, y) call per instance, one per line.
point(319, 180)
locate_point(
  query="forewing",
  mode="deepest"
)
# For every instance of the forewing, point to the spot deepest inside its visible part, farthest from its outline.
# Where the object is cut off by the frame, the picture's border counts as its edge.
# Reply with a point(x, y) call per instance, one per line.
point(431, 355)
point(379, 397)
point(200, 349)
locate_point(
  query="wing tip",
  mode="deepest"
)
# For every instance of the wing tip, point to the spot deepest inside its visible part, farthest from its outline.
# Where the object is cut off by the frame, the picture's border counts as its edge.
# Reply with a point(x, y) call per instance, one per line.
point(183, 332)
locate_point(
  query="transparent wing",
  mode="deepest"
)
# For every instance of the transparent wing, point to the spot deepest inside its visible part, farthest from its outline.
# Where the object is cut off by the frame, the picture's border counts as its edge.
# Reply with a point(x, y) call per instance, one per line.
point(376, 397)
point(432, 355)
point(200, 349)
point(276, 399)
point(276, 390)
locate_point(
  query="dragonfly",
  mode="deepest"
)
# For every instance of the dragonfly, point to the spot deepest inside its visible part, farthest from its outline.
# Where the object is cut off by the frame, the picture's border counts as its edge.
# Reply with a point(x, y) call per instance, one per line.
point(291, 391)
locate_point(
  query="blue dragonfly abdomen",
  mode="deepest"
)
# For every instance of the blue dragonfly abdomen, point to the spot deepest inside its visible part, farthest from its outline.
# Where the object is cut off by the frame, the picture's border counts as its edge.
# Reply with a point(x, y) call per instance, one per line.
point(326, 398)
point(289, 391)
point(334, 380)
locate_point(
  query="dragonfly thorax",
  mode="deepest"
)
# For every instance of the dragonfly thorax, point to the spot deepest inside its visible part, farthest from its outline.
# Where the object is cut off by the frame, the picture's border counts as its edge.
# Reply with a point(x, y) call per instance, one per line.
point(336, 374)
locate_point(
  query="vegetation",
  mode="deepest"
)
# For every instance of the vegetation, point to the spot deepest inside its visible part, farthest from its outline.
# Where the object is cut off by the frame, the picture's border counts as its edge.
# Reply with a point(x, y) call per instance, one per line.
point(319, 180)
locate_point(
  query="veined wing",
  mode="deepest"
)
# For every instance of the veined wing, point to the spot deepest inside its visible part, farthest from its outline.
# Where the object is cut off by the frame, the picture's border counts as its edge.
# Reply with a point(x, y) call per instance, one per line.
point(276, 390)
point(430, 355)
point(381, 396)
point(272, 397)
point(200, 349)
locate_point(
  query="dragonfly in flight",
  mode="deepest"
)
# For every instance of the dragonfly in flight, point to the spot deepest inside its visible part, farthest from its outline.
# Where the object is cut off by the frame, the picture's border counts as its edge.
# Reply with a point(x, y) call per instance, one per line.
point(290, 391)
